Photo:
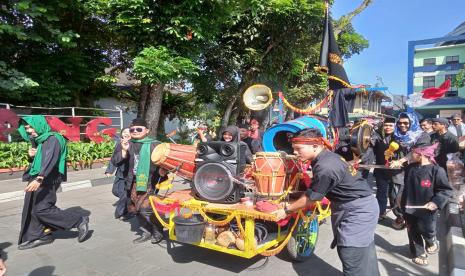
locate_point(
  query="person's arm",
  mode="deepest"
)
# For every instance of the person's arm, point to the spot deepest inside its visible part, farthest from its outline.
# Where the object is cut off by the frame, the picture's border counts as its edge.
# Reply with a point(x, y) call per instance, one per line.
point(50, 155)
point(453, 144)
point(121, 153)
point(442, 189)
point(321, 184)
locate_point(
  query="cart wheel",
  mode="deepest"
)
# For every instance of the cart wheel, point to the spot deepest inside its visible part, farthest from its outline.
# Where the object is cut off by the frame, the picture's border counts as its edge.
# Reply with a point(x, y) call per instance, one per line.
point(303, 241)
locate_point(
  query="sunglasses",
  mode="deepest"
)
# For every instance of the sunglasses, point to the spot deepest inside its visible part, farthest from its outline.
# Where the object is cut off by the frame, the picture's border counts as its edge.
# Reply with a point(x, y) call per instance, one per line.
point(136, 129)
point(403, 123)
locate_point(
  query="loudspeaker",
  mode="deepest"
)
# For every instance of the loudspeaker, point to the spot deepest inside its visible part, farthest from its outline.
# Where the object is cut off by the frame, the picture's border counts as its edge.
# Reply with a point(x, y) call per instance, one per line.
point(217, 165)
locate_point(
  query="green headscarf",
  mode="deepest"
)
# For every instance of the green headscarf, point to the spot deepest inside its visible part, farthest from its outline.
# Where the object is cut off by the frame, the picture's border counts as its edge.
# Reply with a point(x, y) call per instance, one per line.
point(39, 124)
point(143, 166)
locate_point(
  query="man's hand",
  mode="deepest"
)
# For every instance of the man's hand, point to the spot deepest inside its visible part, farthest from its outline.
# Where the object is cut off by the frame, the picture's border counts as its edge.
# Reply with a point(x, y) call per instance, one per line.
point(431, 206)
point(32, 152)
point(396, 164)
point(2, 268)
point(32, 186)
point(124, 144)
point(280, 213)
point(108, 174)
point(162, 172)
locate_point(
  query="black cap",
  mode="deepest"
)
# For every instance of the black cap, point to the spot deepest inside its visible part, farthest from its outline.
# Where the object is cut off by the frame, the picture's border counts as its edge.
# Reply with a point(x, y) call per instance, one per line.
point(442, 121)
point(390, 120)
point(139, 122)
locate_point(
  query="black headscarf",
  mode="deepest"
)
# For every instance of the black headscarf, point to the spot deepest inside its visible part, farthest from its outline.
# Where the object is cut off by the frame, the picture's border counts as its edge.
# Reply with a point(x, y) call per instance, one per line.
point(234, 130)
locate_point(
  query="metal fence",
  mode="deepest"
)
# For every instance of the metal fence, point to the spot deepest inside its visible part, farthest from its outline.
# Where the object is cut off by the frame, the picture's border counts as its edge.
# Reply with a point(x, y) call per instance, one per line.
point(116, 115)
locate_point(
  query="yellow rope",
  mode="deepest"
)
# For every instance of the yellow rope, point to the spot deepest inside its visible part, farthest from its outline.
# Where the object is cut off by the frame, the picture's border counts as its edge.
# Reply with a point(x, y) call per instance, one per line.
point(308, 110)
point(274, 251)
point(151, 199)
point(217, 222)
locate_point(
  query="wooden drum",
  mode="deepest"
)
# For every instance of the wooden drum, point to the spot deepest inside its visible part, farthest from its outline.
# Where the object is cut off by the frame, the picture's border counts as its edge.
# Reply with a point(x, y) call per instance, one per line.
point(270, 173)
point(176, 157)
point(292, 172)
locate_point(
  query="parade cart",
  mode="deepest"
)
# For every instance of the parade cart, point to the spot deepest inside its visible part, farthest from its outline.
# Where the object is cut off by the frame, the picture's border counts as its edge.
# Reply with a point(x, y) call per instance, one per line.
point(298, 236)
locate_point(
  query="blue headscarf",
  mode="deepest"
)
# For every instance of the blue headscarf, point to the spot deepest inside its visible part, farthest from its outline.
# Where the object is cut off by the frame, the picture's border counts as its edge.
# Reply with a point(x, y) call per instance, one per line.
point(408, 139)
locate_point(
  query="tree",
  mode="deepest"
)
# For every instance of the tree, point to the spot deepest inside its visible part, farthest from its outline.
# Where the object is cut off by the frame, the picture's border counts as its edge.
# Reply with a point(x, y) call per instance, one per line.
point(459, 80)
point(156, 66)
point(52, 52)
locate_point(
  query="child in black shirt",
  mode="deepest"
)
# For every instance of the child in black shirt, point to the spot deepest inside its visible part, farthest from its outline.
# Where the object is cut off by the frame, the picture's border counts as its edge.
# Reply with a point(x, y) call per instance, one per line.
point(426, 190)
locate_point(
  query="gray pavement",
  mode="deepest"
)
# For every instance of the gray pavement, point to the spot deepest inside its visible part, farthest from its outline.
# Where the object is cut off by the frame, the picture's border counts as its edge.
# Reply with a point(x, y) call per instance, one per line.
point(110, 250)
point(16, 184)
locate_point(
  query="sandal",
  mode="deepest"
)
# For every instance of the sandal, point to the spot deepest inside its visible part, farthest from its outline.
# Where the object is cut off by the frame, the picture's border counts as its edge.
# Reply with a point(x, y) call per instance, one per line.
point(398, 224)
point(421, 260)
point(433, 249)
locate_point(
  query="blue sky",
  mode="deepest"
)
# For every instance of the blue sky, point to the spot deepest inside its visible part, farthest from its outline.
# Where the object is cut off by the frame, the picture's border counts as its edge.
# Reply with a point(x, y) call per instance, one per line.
point(389, 25)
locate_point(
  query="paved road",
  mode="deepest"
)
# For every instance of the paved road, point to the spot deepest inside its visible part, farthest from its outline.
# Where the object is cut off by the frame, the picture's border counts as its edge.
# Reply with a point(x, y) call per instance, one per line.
point(110, 250)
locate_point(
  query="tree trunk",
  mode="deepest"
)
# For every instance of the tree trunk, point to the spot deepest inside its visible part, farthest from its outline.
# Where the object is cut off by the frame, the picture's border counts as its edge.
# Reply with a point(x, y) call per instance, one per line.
point(227, 115)
point(143, 95)
point(347, 19)
point(154, 102)
point(161, 124)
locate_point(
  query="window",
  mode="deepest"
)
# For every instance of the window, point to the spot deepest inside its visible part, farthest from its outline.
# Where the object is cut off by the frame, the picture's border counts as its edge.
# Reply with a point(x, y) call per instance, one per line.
point(429, 82)
point(452, 93)
point(452, 59)
point(450, 77)
point(429, 61)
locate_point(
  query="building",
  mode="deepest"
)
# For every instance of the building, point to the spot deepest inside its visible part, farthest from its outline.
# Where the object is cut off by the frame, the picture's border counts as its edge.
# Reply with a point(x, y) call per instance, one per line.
point(437, 60)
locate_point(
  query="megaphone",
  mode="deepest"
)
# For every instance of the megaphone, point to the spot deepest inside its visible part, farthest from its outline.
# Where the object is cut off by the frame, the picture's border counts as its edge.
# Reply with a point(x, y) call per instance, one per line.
point(257, 97)
point(389, 153)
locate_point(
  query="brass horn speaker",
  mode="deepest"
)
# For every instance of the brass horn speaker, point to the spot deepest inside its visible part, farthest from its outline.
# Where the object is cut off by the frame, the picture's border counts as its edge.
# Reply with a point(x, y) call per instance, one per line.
point(257, 97)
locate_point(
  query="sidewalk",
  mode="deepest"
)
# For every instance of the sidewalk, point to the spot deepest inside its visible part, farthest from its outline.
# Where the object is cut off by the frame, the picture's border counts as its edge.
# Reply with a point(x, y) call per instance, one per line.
point(12, 189)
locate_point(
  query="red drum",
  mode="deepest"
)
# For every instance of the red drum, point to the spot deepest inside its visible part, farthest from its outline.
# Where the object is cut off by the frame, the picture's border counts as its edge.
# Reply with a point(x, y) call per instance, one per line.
point(292, 172)
point(270, 173)
point(176, 156)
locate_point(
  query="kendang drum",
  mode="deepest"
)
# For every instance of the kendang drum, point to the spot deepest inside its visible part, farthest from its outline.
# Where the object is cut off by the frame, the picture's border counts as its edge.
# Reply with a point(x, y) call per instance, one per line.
point(292, 172)
point(270, 174)
point(177, 158)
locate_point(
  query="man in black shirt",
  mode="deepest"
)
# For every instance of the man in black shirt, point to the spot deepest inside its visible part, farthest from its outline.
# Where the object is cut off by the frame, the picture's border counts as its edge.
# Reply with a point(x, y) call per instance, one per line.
point(448, 142)
point(354, 209)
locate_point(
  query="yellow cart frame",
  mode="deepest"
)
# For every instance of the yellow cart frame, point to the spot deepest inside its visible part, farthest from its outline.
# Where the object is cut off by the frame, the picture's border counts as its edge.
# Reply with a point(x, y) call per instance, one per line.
point(232, 212)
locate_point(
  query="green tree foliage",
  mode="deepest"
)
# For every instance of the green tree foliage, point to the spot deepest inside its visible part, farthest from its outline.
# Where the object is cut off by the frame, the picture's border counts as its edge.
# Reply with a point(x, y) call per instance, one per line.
point(53, 49)
point(459, 80)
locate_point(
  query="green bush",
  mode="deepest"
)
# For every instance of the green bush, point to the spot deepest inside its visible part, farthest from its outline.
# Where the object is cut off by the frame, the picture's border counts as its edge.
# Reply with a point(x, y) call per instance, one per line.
point(80, 155)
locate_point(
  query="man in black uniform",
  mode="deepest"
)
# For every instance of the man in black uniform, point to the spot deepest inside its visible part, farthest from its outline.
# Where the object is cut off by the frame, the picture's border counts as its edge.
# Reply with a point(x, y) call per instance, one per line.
point(142, 176)
point(448, 142)
point(44, 176)
point(354, 209)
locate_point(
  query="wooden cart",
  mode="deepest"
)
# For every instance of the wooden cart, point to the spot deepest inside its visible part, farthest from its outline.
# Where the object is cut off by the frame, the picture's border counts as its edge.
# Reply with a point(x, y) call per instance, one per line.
point(299, 236)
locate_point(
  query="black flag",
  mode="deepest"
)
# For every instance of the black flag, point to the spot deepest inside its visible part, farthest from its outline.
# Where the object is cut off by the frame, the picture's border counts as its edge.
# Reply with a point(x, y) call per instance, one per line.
point(331, 64)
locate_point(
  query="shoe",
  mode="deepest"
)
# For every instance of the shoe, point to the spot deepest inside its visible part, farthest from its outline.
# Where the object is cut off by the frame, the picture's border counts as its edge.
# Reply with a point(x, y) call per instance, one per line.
point(156, 237)
point(83, 229)
point(433, 249)
point(398, 224)
point(31, 244)
point(382, 216)
point(126, 217)
point(143, 238)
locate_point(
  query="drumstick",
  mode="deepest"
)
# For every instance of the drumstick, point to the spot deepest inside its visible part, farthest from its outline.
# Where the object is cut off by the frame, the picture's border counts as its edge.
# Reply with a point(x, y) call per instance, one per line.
point(415, 207)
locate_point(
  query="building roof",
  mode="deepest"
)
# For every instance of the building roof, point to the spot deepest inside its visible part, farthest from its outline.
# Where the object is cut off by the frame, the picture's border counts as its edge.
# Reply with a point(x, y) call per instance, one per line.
point(445, 102)
point(459, 30)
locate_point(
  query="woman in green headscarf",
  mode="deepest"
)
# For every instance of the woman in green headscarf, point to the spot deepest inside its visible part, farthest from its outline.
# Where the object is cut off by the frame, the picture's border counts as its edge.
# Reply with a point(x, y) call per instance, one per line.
point(44, 176)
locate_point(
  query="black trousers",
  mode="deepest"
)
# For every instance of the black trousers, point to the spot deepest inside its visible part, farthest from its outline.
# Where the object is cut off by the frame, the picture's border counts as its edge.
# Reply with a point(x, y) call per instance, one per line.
point(359, 261)
point(119, 190)
point(148, 222)
point(395, 194)
point(421, 232)
point(40, 213)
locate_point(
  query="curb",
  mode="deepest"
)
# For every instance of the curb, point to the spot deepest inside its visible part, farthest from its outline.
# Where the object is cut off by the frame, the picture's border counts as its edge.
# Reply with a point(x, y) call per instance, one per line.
point(455, 243)
point(65, 187)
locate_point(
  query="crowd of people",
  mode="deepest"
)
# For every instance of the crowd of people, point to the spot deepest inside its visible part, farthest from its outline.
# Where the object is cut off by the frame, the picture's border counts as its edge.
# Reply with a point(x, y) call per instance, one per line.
point(413, 156)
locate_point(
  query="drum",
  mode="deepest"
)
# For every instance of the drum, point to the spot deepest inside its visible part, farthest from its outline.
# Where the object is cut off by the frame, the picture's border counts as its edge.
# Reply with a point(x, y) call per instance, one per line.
point(177, 158)
point(292, 171)
point(270, 173)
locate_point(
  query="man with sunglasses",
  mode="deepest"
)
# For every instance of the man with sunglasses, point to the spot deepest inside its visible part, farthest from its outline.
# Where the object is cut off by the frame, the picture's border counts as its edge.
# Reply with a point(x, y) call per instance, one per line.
point(142, 175)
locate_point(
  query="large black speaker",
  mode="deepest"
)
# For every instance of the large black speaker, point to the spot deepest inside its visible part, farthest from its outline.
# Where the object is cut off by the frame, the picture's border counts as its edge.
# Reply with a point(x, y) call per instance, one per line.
point(218, 164)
